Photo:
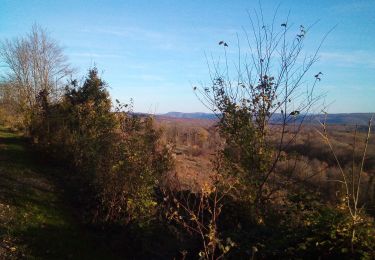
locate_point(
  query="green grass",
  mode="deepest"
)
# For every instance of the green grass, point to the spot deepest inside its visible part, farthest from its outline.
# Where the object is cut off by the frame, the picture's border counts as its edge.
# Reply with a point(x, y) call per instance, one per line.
point(36, 222)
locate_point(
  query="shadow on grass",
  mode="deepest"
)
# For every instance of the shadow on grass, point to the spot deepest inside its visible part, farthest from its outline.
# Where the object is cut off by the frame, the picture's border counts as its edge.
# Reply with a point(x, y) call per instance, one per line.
point(37, 214)
point(12, 148)
point(51, 242)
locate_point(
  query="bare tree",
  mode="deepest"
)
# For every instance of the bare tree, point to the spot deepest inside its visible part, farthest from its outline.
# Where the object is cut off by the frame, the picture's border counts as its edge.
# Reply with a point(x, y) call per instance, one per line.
point(35, 63)
point(270, 81)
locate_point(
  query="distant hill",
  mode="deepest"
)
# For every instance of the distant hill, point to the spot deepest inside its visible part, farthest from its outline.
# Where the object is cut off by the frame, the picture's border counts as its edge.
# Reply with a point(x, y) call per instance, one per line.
point(334, 119)
point(197, 115)
point(346, 118)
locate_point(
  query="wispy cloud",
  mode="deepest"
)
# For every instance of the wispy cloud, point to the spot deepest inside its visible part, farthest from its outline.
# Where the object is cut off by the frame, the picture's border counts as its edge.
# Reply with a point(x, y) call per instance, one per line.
point(156, 39)
point(150, 77)
point(354, 6)
point(185, 40)
point(349, 59)
point(145, 77)
point(131, 32)
point(95, 55)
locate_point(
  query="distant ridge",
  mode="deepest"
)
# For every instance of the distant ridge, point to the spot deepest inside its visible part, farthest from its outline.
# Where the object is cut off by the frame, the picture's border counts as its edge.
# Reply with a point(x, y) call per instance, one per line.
point(346, 118)
point(196, 115)
point(336, 119)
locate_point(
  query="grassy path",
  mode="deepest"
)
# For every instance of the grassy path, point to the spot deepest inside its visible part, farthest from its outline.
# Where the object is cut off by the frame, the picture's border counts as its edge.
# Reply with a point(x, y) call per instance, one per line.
point(35, 221)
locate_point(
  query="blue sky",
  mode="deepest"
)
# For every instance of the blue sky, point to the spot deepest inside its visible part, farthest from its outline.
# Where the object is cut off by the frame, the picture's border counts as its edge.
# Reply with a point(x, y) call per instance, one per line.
point(154, 51)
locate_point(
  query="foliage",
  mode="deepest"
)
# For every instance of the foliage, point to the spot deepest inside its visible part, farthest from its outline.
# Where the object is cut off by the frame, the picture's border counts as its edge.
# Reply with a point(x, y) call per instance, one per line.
point(129, 173)
point(199, 213)
point(351, 186)
point(9, 110)
point(116, 154)
point(326, 231)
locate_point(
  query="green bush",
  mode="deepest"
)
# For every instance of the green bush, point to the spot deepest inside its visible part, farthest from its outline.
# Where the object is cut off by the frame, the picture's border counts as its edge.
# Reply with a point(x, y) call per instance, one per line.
point(116, 155)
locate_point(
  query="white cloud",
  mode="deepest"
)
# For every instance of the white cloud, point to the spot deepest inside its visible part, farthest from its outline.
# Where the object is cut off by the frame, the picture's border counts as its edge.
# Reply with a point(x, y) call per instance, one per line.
point(355, 6)
point(183, 40)
point(349, 59)
point(154, 38)
point(94, 55)
point(130, 32)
